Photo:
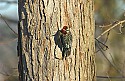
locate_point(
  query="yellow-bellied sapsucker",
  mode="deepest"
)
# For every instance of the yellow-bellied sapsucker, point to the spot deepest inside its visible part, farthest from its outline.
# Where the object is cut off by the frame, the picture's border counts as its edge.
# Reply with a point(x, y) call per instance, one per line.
point(66, 40)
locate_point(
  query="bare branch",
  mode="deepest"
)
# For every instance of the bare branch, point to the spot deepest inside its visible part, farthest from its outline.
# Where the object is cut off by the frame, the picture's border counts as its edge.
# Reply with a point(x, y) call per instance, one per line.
point(117, 77)
point(112, 26)
point(112, 64)
point(99, 42)
point(8, 25)
point(108, 76)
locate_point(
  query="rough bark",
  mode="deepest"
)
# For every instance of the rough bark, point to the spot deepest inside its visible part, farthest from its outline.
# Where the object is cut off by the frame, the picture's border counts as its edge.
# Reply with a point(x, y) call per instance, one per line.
point(39, 20)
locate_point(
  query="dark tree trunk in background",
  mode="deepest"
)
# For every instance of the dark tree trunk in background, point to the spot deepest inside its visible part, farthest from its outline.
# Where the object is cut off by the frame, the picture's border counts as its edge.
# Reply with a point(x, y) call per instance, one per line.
point(39, 20)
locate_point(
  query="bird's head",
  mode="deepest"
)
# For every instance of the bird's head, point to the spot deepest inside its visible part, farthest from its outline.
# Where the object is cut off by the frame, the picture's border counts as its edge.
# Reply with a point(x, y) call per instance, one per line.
point(64, 30)
point(65, 27)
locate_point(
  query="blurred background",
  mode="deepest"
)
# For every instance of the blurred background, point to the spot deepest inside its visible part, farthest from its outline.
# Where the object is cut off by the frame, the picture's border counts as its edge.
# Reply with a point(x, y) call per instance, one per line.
point(8, 40)
point(110, 48)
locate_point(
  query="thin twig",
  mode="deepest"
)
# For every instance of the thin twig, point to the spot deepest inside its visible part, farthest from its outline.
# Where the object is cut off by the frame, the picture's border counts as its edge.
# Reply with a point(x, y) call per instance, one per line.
point(102, 44)
point(108, 77)
point(107, 37)
point(116, 77)
point(113, 60)
point(8, 25)
point(113, 26)
point(109, 60)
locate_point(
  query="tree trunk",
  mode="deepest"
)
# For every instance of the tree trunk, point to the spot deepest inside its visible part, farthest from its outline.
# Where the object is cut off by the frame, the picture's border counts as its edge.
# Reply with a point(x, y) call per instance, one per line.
point(39, 20)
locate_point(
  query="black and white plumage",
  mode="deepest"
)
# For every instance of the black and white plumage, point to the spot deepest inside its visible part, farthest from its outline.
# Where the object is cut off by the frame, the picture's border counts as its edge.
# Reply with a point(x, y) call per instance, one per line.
point(66, 41)
point(63, 38)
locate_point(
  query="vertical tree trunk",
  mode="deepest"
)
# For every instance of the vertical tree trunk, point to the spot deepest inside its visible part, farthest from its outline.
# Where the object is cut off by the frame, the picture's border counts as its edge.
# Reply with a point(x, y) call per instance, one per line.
point(39, 20)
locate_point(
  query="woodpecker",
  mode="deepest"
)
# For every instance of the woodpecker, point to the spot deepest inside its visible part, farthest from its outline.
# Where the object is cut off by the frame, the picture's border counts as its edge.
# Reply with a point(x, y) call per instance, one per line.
point(66, 41)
